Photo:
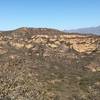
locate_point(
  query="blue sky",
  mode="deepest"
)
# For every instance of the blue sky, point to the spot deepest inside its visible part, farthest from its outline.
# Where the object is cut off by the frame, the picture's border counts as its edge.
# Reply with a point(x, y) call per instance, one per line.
point(59, 14)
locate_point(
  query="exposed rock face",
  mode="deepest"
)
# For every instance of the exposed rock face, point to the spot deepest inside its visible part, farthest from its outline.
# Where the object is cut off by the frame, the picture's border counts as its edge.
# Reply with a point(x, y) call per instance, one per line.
point(47, 64)
point(85, 47)
point(24, 38)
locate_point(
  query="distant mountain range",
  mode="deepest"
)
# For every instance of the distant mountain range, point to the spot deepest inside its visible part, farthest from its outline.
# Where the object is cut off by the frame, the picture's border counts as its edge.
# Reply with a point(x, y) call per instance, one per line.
point(93, 30)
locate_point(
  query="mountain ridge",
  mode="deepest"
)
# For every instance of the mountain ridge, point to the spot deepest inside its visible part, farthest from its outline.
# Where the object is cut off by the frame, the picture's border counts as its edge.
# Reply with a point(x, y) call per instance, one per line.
point(43, 31)
point(87, 30)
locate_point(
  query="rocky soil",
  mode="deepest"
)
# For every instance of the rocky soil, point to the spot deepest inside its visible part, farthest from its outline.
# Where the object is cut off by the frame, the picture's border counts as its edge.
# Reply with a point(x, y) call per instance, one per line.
point(47, 64)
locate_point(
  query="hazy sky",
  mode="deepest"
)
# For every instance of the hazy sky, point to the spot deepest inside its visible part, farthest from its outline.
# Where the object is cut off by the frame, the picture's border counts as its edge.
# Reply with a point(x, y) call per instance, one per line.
point(60, 14)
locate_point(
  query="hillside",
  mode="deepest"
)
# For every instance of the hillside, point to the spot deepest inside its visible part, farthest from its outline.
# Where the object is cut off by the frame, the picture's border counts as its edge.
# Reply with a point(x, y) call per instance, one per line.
point(47, 64)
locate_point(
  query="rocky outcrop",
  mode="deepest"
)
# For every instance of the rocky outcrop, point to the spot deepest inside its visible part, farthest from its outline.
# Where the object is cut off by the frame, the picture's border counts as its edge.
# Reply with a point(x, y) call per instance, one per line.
point(85, 47)
point(80, 43)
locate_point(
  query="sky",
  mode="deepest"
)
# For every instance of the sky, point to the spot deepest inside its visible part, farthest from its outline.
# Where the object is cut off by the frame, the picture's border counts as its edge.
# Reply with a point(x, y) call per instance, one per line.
point(58, 14)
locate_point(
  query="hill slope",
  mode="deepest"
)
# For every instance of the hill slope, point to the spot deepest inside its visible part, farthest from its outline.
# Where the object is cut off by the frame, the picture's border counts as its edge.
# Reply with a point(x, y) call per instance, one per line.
point(46, 64)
